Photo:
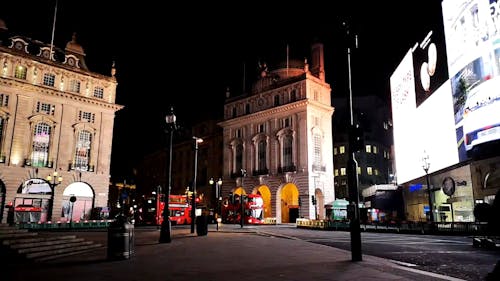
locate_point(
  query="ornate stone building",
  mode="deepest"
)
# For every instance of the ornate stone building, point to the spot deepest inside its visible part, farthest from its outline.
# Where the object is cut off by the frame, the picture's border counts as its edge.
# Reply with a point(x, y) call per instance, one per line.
point(278, 140)
point(56, 119)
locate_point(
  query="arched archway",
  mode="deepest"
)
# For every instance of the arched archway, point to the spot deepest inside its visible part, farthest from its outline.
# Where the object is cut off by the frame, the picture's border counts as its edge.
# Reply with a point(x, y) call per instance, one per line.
point(320, 204)
point(32, 202)
point(264, 191)
point(289, 203)
point(81, 209)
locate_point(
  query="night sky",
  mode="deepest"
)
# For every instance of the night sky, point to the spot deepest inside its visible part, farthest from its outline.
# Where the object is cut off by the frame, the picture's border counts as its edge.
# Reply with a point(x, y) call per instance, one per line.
point(186, 54)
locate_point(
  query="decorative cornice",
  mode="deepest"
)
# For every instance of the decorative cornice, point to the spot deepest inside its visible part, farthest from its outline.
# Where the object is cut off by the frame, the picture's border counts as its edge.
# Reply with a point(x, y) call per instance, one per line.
point(248, 118)
point(53, 92)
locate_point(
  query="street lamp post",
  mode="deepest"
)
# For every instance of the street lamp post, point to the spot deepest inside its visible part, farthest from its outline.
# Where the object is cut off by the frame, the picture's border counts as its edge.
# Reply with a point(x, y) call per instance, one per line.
point(165, 229)
point(218, 199)
point(426, 165)
point(53, 180)
point(193, 208)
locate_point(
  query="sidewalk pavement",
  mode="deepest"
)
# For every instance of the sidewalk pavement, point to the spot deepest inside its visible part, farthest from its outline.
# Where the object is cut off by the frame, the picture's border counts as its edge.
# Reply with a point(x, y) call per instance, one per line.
point(232, 253)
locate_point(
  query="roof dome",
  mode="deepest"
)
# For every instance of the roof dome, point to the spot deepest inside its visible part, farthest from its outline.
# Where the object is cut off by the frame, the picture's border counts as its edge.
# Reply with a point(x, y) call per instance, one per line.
point(74, 47)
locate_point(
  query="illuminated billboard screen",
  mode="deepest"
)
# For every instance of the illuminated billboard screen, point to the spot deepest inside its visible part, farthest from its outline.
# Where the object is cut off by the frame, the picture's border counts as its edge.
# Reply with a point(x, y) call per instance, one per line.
point(473, 40)
point(448, 117)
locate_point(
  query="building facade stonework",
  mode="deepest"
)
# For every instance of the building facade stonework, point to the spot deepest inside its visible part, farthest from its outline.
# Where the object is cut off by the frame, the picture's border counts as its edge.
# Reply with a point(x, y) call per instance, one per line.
point(56, 118)
point(278, 140)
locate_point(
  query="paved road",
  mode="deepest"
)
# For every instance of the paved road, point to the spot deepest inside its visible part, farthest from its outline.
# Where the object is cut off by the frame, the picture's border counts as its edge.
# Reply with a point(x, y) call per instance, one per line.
point(448, 255)
point(219, 256)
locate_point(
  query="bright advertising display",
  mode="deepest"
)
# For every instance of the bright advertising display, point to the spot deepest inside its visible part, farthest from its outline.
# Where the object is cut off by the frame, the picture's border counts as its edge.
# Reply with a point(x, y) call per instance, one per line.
point(447, 119)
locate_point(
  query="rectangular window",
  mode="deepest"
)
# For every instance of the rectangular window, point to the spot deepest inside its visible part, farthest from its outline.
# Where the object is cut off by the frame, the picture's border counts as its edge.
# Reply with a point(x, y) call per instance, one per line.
point(21, 72)
point(4, 100)
point(342, 171)
point(74, 86)
point(276, 100)
point(368, 148)
point(369, 171)
point(49, 79)
point(247, 108)
point(374, 149)
point(334, 151)
point(262, 128)
point(237, 133)
point(86, 116)
point(317, 150)
point(98, 92)
point(376, 171)
point(342, 149)
point(46, 108)
point(336, 172)
point(286, 122)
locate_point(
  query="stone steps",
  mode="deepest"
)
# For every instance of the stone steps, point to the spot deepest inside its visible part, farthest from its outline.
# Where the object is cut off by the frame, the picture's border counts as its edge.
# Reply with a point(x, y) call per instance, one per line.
point(27, 246)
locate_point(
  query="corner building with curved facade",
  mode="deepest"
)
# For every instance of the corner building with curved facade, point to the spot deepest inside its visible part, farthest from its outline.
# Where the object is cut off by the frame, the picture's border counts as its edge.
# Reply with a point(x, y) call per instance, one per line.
point(56, 118)
point(278, 140)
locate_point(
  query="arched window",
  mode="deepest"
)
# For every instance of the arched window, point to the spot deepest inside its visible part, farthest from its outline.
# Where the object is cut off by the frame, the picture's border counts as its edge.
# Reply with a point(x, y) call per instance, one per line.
point(287, 151)
point(82, 150)
point(238, 158)
point(41, 142)
point(262, 151)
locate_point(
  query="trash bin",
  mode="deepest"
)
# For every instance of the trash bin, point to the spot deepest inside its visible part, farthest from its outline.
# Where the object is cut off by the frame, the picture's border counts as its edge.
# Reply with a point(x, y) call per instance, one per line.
point(201, 225)
point(120, 239)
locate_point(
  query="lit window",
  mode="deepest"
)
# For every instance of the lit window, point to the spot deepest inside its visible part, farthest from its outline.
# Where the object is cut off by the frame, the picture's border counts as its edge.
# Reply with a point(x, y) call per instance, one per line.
point(342, 171)
point(358, 170)
point(82, 150)
point(369, 170)
point(342, 149)
point(20, 72)
point(375, 171)
point(336, 172)
point(375, 150)
point(368, 148)
point(40, 145)
point(334, 151)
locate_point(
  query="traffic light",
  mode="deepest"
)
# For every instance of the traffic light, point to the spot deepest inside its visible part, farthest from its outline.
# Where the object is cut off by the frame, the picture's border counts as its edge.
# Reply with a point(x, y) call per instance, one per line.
point(356, 138)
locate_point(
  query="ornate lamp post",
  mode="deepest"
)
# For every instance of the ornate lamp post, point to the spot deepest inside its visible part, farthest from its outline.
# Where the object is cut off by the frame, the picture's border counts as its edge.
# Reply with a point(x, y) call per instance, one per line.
point(165, 229)
point(218, 198)
point(53, 180)
point(193, 208)
point(426, 165)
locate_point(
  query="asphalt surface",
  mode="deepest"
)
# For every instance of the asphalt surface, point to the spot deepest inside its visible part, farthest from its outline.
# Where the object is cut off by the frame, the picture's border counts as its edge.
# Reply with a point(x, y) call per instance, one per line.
point(232, 253)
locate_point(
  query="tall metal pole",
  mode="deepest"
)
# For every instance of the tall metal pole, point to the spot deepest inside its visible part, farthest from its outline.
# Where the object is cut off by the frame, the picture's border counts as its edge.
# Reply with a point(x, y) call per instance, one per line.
point(352, 175)
point(193, 209)
point(165, 230)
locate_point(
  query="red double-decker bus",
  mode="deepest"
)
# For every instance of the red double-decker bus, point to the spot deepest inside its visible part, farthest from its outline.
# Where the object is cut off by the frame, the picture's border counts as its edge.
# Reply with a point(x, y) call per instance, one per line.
point(253, 207)
point(179, 207)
